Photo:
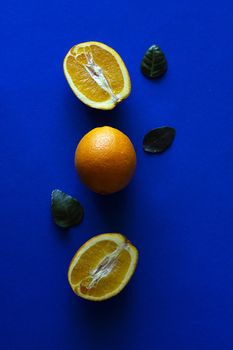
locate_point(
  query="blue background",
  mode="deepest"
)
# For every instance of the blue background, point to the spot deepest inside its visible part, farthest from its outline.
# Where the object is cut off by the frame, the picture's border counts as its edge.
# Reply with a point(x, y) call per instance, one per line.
point(178, 210)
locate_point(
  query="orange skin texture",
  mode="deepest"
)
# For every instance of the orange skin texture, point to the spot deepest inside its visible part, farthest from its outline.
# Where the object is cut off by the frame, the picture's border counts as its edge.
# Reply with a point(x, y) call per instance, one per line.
point(105, 160)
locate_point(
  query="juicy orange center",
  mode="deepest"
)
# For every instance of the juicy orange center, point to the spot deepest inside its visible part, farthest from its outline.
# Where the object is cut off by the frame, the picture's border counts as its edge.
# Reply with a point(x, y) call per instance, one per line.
point(95, 72)
point(101, 269)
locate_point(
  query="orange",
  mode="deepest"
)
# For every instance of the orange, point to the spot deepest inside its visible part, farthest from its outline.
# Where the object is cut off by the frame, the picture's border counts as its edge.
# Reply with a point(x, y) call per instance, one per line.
point(97, 75)
point(105, 160)
point(102, 267)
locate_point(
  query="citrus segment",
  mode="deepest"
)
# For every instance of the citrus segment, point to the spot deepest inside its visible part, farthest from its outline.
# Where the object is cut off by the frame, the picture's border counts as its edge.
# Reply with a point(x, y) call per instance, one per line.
point(97, 75)
point(102, 267)
point(111, 68)
point(91, 258)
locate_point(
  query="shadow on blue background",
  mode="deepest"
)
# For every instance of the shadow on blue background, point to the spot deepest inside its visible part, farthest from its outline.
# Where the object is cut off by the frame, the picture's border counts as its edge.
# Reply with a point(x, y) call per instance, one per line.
point(84, 118)
point(103, 319)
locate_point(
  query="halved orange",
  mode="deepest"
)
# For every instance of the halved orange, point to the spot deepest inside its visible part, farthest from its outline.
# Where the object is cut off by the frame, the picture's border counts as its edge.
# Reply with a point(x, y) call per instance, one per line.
point(97, 75)
point(102, 267)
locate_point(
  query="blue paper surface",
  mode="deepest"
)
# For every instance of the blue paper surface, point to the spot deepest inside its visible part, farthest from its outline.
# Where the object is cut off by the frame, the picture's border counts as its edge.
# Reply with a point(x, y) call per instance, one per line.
point(178, 208)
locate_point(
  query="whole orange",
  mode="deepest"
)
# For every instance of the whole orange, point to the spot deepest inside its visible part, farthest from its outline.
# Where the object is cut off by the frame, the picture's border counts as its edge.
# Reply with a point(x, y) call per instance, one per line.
point(105, 160)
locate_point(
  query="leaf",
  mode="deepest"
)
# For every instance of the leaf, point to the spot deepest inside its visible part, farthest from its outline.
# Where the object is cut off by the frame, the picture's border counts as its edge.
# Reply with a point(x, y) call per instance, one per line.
point(66, 210)
point(154, 63)
point(159, 139)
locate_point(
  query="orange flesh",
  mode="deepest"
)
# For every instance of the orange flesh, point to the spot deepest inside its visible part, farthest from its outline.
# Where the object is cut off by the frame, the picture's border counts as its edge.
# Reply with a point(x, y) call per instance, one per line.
point(90, 260)
point(83, 80)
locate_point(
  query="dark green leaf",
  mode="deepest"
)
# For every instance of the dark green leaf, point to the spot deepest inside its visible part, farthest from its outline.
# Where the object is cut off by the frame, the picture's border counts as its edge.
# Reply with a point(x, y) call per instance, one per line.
point(159, 139)
point(154, 63)
point(66, 210)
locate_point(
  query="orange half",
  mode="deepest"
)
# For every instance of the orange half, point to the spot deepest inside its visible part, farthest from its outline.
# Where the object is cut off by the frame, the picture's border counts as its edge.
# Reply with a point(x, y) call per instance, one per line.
point(97, 75)
point(102, 267)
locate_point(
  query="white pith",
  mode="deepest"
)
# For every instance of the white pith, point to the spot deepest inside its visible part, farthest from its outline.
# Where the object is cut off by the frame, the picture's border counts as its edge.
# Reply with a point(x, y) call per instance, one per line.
point(97, 74)
point(106, 266)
